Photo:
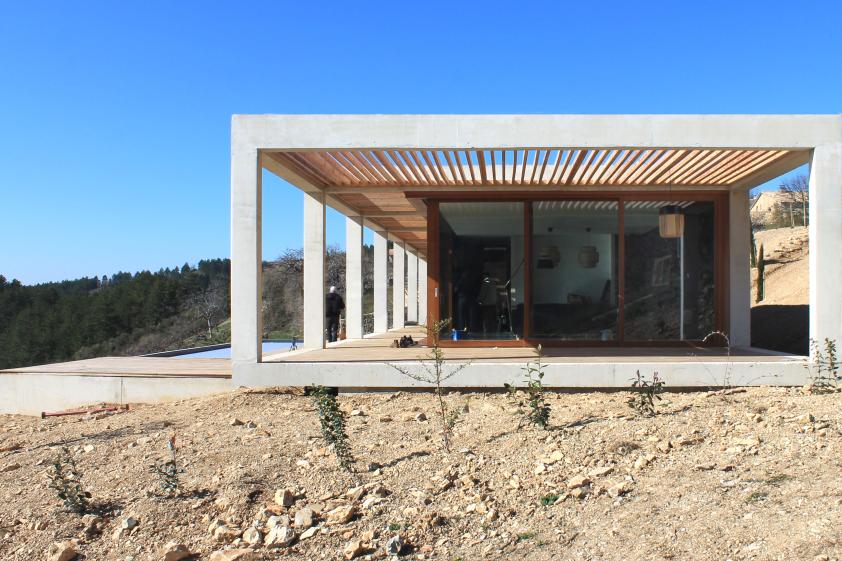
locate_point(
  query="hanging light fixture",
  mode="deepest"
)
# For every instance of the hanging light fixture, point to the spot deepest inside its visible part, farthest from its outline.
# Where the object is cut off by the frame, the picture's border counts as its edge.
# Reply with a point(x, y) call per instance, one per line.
point(671, 221)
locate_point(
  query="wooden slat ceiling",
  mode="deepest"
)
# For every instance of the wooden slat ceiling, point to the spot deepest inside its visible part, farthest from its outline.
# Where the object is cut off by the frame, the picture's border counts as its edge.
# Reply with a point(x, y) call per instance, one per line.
point(362, 171)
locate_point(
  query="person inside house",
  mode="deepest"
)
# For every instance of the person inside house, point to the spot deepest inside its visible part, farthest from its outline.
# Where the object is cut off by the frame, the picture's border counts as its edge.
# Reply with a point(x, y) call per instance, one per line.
point(488, 301)
point(334, 305)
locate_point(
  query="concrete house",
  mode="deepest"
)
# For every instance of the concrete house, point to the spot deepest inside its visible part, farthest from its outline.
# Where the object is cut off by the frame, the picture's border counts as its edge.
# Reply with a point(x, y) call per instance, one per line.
point(617, 242)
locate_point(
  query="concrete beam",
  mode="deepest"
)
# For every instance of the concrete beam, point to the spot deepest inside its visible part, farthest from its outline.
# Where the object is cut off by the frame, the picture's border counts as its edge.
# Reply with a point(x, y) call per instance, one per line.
point(825, 231)
point(324, 132)
point(381, 280)
point(246, 254)
point(739, 251)
point(314, 271)
point(353, 278)
point(398, 286)
point(411, 286)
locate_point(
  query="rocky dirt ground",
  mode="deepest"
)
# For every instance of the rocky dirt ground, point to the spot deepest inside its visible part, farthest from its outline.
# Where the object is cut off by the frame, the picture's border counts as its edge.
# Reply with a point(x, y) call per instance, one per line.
point(748, 475)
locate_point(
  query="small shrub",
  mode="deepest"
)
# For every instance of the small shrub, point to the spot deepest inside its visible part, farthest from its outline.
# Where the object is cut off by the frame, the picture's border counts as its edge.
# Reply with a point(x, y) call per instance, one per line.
point(824, 366)
point(645, 392)
point(332, 421)
point(394, 527)
point(525, 536)
point(779, 479)
point(534, 409)
point(548, 500)
point(436, 374)
point(65, 479)
point(168, 471)
point(757, 496)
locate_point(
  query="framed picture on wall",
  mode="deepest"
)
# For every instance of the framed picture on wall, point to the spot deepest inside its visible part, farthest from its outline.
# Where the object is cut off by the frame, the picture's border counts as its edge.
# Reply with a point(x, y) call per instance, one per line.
point(662, 270)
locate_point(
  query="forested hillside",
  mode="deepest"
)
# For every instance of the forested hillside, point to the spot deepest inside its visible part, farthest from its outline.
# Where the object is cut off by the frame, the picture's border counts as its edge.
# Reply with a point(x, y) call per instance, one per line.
point(121, 314)
point(145, 312)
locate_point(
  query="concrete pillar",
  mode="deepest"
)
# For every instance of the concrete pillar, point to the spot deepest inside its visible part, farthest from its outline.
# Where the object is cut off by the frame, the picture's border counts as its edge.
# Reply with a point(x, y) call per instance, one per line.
point(825, 231)
point(314, 270)
point(739, 267)
point(353, 277)
point(422, 291)
point(411, 286)
point(398, 286)
point(246, 256)
point(381, 282)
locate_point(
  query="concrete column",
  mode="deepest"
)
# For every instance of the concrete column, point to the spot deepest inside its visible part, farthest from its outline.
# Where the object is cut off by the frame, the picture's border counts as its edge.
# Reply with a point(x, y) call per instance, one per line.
point(246, 255)
point(411, 286)
point(422, 291)
point(825, 230)
point(314, 270)
point(353, 277)
point(381, 282)
point(739, 267)
point(398, 286)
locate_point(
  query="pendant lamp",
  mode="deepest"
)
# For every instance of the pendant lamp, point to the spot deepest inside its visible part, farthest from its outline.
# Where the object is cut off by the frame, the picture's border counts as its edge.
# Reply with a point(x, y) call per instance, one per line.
point(671, 221)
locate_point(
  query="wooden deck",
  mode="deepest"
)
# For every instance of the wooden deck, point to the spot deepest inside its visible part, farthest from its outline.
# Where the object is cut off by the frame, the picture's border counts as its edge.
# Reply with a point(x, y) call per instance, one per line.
point(134, 367)
point(379, 349)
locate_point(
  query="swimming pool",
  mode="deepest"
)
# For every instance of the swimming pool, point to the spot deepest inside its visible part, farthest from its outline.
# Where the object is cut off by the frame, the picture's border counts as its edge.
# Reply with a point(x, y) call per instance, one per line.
point(225, 352)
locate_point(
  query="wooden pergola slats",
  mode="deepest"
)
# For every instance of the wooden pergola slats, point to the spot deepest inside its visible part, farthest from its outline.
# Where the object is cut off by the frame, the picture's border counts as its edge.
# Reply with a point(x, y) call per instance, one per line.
point(373, 180)
point(540, 167)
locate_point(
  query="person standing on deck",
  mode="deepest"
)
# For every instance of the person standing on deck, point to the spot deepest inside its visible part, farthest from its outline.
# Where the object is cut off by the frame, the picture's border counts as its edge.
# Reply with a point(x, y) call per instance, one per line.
point(333, 307)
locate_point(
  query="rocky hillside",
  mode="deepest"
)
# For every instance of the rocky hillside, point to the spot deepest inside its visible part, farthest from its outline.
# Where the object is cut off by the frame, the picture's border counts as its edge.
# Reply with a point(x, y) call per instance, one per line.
point(781, 321)
point(736, 475)
point(787, 270)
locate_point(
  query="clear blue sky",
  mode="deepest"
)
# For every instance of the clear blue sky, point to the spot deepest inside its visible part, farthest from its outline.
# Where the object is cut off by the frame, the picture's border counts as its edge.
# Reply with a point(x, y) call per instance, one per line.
point(114, 143)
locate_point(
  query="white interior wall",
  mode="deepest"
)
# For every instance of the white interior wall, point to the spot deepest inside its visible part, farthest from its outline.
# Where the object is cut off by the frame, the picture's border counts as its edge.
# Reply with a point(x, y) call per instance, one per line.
point(569, 277)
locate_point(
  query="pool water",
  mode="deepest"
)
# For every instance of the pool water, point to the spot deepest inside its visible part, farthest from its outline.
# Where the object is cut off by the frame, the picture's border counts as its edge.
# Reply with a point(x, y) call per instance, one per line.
point(225, 352)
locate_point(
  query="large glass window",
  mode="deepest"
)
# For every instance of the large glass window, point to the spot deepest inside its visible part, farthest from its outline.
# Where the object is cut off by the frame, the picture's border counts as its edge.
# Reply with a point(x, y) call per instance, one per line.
point(575, 267)
point(481, 262)
point(669, 281)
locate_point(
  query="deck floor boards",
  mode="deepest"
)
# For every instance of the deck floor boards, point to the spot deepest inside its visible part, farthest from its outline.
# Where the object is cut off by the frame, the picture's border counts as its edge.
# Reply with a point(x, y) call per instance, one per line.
point(378, 349)
point(134, 366)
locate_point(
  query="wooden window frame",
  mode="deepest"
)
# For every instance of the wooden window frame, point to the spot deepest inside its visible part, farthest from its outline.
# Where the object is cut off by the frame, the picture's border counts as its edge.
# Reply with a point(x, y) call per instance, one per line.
point(720, 200)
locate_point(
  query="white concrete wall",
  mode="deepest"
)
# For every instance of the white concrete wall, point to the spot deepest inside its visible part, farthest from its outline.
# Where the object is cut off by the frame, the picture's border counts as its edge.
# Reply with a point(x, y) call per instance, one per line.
point(398, 285)
point(314, 271)
point(30, 394)
point(353, 277)
point(739, 249)
point(246, 253)
point(422, 291)
point(825, 232)
point(411, 286)
point(381, 281)
point(585, 374)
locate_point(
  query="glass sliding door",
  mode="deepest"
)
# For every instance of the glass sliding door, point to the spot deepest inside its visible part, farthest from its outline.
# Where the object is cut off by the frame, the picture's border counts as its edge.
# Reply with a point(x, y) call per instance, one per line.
point(669, 281)
point(481, 252)
point(574, 270)
point(600, 271)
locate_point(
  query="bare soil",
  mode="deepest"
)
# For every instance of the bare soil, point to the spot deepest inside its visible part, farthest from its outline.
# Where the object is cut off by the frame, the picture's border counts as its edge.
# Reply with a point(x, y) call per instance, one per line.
point(746, 475)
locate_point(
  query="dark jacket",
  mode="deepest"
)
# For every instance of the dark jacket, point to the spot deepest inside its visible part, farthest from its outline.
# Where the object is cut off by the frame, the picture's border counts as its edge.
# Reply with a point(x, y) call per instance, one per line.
point(333, 304)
